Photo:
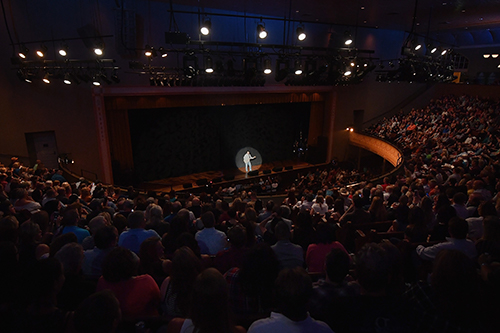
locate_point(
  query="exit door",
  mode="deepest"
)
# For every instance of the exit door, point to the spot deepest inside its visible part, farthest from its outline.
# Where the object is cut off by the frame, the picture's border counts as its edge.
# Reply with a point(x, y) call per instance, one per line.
point(43, 146)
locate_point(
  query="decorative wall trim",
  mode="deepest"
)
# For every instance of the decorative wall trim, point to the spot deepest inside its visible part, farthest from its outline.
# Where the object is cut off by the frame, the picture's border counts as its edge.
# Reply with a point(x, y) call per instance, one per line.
point(102, 132)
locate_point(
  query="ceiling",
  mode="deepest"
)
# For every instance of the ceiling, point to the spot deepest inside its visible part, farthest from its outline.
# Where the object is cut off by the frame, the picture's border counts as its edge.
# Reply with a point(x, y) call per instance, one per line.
point(432, 15)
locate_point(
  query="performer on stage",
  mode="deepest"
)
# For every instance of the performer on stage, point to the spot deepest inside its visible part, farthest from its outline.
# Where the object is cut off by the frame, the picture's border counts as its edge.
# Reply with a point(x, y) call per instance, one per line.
point(247, 158)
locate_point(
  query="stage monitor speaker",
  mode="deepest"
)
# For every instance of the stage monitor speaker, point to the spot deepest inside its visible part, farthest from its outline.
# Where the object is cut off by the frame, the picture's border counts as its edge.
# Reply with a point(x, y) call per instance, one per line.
point(277, 169)
point(229, 177)
point(253, 173)
point(289, 167)
point(187, 185)
point(202, 182)
point(217, 180)
point(266, 172)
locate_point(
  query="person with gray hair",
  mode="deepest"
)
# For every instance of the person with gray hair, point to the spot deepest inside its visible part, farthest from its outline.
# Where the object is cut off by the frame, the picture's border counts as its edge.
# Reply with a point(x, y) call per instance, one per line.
point(136, 234)
point(95, 224)
point(154, 220)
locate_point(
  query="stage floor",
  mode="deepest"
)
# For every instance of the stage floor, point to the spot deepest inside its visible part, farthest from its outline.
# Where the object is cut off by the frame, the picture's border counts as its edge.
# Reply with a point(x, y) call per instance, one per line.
point(177, 183)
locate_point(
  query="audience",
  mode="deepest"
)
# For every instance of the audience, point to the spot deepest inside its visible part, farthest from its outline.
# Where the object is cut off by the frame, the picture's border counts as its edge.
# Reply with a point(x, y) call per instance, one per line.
point(210, 240)
point(210, 311)
point(139, 295)
point(288, 254)
point(177, 288)
point(136, 234)
point(443, 206)
point(293, 290)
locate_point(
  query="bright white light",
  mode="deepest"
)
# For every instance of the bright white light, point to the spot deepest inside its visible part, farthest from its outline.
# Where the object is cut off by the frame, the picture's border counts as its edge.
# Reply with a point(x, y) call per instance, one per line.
point(96, 83)
point(98, 51)
point(302, 36)
point(444, 52)
point(263, 34)
point(209, 70)
point(486, 55)
point(204, 31)
point(22, 55)
point(267, 71)
point(298, 71)
point(63, 52)
point(347, 73)
point(495, 55)
point(348, 41)
point(418, 47)
point(39, 53)
point(351, 129)
point(434, 49)
point(148, 53)
point(66, 81)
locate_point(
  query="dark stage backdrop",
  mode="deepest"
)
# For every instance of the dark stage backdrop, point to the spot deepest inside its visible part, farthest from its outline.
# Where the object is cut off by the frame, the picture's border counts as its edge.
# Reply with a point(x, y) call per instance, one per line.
point(172, 142)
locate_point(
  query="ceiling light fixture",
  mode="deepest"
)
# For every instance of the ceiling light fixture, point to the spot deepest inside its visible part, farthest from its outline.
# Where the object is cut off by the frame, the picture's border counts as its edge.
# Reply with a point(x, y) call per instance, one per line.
point(63, 50)
point(163, 52)
point(208, 65)
point(23, 52)
point(301, 35)
point(41, 51)
point(99, 48)
point(267, 66)
point(205, 27)
point(261, 30)
point(46, 78)
point(67, 78)
point(298, 67)
point(348, 38)
point(148, 52)
point(95, 80)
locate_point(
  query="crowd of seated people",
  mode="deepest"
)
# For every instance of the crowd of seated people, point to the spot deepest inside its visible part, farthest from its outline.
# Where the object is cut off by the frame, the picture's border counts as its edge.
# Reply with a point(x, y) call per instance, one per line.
point(85, 257)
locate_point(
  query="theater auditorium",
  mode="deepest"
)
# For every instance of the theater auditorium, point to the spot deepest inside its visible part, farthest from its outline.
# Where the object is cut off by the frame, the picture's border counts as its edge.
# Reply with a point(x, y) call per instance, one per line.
point(233, 166)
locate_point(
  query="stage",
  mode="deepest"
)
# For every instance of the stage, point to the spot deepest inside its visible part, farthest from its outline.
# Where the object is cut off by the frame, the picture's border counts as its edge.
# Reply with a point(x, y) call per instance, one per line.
point(224, 177)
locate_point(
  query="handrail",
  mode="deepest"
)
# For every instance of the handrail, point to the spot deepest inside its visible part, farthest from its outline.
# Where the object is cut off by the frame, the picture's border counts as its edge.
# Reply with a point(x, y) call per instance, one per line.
point(87, 171)
point(399, 161)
